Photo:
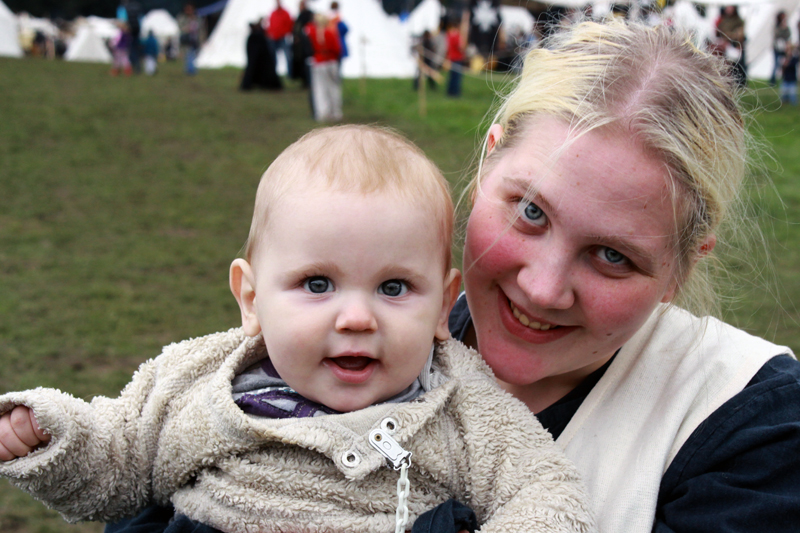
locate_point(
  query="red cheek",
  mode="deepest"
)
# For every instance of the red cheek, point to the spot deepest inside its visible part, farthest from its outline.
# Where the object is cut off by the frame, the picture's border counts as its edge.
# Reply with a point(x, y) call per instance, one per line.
point(491, 245)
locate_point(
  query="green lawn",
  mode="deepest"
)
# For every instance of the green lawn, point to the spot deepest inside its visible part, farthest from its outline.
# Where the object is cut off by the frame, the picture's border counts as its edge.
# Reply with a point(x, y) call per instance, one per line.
point(123, 201)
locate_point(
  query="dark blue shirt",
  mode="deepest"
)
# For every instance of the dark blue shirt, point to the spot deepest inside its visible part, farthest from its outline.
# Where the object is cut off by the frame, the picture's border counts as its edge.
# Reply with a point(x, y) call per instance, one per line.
point(739, 471)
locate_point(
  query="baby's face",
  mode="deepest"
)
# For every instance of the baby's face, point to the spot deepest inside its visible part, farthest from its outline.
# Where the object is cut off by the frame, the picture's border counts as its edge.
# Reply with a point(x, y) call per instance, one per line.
point(350, 292)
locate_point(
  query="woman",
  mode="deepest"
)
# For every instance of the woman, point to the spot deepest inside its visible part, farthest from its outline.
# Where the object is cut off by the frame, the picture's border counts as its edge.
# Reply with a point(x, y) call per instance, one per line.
point(781, 38)
point(730, 27)
point(609, 173)
point(326, 83)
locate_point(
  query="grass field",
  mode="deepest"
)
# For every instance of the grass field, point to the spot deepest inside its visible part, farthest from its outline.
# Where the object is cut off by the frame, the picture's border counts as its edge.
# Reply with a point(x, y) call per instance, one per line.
point(123, 201)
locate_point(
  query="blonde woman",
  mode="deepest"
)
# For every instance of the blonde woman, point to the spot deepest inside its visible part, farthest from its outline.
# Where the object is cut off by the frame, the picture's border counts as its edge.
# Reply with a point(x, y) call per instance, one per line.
point(608, 179)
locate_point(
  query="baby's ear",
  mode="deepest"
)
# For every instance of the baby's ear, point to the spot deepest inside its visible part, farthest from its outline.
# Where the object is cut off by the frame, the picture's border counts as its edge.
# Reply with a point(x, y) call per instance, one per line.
point(452, 286)
point(243, 287)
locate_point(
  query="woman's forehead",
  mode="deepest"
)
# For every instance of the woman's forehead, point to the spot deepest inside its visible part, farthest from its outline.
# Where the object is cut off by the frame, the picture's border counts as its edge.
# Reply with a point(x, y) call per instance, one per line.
point(602, 159)
point(603, 179)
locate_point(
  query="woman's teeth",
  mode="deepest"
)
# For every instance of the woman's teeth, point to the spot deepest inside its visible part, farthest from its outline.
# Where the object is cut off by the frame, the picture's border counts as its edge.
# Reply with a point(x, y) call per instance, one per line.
point(527, 322)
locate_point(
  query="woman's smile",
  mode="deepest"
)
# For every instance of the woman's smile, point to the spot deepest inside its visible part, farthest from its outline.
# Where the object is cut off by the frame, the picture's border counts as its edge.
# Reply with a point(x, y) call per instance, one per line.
point(532, 330)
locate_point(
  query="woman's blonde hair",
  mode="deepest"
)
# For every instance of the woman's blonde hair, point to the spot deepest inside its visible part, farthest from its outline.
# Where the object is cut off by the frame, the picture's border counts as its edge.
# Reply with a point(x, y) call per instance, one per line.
point(679, 102)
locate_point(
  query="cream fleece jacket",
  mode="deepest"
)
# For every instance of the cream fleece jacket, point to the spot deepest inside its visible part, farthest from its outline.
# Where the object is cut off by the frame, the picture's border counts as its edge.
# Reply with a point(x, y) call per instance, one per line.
point(175, 435)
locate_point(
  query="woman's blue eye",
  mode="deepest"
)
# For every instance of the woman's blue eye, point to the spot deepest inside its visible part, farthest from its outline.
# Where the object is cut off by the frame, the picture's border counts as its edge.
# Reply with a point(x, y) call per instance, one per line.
point(532, 213)
point(612, 256)
point(393, 288)
point(318, 285)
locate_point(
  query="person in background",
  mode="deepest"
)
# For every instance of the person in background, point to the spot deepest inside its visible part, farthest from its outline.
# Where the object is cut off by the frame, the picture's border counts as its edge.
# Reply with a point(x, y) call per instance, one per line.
point(789, 75)
point(280, 34)
point(730, 28)
point(151, 50)
point(120, 48)
point(301, 46)
point(342, 29)
point(426, 55)
point(260, 68)
point(189, 26)
point(456, 56)
point(781, 39)
point(326, 83)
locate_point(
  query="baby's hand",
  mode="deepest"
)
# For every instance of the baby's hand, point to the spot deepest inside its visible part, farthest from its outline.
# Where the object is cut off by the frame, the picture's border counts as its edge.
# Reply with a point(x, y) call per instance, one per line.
point(19, 433)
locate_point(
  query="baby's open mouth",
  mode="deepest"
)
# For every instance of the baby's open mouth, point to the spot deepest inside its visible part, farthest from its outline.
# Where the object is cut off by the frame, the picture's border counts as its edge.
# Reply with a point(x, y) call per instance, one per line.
point(527, 322)
point(351, 362)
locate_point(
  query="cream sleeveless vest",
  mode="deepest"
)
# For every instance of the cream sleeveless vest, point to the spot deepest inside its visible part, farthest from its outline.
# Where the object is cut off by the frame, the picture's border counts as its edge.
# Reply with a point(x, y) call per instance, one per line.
point(663, 383)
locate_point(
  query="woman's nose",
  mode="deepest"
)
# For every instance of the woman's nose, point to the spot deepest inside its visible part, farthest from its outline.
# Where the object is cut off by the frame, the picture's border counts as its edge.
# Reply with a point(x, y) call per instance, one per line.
point(547, 281)
point(356, 314)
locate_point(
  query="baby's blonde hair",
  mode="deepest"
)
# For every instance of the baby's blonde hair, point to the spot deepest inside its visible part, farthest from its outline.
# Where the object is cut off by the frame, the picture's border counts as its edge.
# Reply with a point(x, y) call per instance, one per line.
point(361, 159)
point(679, 102)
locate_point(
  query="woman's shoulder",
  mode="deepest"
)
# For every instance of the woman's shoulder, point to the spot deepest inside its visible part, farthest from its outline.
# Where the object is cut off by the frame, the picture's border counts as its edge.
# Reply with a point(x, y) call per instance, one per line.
point(739, 470)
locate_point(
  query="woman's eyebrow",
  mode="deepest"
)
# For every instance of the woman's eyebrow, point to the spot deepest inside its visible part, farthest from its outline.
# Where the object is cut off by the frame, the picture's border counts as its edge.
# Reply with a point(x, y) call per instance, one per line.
point(532, 194)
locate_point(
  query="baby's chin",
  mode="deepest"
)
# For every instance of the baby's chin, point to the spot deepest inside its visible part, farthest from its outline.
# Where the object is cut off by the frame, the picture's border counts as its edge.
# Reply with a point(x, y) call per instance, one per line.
point(346, 404)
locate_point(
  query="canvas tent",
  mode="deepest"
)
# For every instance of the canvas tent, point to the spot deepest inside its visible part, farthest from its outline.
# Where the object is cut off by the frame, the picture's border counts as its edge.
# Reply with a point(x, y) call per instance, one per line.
point(87, 46)
point(9, 33)
point(379, 44)
point(758, 15)
point(35, 24)
point(427, 16)
point(161, 23)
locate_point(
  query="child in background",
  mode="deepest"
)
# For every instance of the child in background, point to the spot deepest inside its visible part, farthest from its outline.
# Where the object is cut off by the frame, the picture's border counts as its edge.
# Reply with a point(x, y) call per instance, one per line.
point(283, 424)
point(789, 75)
point(150, 54)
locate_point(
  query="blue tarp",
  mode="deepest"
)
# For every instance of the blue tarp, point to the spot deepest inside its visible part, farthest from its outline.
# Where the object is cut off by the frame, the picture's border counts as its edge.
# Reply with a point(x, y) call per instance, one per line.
point(210, 9)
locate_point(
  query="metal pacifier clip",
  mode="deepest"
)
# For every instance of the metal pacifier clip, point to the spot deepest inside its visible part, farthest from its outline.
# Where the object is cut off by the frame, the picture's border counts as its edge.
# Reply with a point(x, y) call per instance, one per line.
point(381, 439)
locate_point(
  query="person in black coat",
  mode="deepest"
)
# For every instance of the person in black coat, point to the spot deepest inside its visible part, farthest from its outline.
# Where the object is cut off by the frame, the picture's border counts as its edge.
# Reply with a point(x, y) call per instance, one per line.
point(301, 46)
point(260, 70)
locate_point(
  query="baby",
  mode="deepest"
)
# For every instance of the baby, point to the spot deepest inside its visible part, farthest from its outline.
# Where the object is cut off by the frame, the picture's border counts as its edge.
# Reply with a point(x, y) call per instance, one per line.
point(343, 364)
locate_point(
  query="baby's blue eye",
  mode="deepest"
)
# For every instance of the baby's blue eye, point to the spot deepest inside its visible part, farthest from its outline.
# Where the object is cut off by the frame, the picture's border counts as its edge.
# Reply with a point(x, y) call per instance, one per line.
point(318, 285)
point(532, 213)
point(393, 288)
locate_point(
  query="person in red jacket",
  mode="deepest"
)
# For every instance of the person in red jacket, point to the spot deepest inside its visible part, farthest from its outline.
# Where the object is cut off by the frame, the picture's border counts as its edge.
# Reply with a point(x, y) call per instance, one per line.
point(456, 44)
point(326, 85)
point(279, 33)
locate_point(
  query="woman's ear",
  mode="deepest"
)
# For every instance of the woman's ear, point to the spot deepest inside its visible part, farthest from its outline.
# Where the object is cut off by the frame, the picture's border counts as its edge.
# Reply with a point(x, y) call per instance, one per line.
point(452, 286)
point(495, 134)
point(705, 248)
point(243, 287)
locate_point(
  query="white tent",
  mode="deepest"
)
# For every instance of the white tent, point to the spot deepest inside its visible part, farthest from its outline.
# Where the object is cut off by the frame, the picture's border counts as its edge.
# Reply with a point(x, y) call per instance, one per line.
point(379, 45)
point(759, 17)
point(225, 46)
point(9, 33)
point(517, 18)
point(34, 24)
point(426, 16)
point(161, 23)
point(87, 46)
point(105, 28)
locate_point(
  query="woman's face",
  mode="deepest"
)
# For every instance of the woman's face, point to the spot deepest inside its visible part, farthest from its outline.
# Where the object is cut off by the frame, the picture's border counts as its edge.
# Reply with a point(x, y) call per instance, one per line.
point(566, 256)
